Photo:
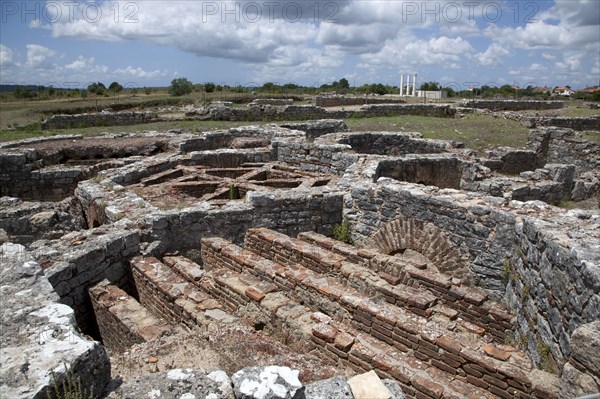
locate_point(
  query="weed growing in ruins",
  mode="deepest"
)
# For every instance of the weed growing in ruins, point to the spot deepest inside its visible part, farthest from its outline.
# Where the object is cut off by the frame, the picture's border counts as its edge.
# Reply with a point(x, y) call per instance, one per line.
point(524, 294)
point(233, 193)
point(342, 232)
point(566, 203)
point(518, 340)
point(102, 206)
point(545, 362)
point(71, 387)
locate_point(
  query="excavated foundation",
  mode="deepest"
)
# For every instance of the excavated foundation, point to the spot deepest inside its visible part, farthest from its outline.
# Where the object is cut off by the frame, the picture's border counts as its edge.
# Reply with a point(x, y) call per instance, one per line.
point(453, 285)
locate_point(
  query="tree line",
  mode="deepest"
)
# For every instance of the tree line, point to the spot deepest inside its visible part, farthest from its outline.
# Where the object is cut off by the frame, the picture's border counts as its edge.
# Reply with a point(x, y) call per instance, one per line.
point(182, 86)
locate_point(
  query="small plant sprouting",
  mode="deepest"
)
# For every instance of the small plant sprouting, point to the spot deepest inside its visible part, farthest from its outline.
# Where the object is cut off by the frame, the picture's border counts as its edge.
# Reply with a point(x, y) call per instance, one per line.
point(341, 232)
point(232, 194)
point(70, 388)
point(545, 356)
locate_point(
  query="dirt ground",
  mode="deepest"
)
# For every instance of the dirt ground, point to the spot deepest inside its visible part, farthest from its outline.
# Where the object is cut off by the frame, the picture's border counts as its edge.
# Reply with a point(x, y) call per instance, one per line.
point(228, 348)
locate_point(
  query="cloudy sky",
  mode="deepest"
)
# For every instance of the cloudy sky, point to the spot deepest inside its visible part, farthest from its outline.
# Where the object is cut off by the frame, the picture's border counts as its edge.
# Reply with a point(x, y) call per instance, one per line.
point(148, 43)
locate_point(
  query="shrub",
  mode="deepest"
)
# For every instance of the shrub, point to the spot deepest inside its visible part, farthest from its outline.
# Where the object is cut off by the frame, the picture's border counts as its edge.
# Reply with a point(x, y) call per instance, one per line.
point(180, 87)
point(341, 232)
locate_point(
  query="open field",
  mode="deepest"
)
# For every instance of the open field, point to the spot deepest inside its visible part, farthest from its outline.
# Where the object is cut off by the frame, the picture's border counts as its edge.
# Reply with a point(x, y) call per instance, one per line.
point(478, 132)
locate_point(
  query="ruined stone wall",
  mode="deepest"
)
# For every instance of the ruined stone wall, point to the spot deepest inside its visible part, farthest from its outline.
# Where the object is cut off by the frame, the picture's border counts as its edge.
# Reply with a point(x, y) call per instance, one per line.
point(388, 143)
point(333, 159)
point(289, 213)
point(220, 139)
point(230, 158)
point(512, 105)
point(337, 101)
point(485, 234)
point(317, 128)
point(98, 119)
point(556, 145)
point(273, 101)
point(84, 259)
point(41, 344)
point(295, 112)
point(553, 286)
point(440, 172)
point(21, 176)
point(582, 123)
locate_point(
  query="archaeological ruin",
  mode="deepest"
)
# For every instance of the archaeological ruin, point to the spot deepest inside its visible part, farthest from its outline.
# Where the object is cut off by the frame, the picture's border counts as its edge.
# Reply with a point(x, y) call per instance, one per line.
point(315, 258)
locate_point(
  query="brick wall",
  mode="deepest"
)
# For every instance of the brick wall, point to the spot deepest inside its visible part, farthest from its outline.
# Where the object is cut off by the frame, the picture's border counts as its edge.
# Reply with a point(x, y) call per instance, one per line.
point(429, 341)
point(168, 295)
point(472, 304)
point(122, 321)
point(397, 287)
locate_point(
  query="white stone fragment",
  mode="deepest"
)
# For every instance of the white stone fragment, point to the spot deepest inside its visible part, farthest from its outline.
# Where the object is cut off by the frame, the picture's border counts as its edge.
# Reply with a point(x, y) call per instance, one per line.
point(368, 386)
point(179, 374)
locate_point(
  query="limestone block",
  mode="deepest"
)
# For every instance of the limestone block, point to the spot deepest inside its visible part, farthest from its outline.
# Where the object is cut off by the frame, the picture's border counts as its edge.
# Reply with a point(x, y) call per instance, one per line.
point(269, 382)
point(368, 386)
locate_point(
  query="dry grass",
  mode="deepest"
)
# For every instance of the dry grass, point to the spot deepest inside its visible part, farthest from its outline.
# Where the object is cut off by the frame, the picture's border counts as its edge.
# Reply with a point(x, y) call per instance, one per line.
point(478, 132)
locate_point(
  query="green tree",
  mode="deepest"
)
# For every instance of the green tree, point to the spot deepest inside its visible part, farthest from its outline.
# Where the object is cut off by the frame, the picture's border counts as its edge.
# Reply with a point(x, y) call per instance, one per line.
point(97, 88)
point(115, 87)
point(209, 87)
point(431, 86)
point(24, 92)
point(180, 87)
point(344, 84)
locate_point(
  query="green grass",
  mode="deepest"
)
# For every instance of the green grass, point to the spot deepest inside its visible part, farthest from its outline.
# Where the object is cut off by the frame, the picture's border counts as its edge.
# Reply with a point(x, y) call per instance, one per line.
point(478, 132)
point(20, 113)
point(191, 126)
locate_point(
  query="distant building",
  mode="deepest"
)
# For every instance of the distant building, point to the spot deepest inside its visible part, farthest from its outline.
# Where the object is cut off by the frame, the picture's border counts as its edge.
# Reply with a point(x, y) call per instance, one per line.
point(543, 89)
point(563, 91)
point(432, 95)
point(589, 90)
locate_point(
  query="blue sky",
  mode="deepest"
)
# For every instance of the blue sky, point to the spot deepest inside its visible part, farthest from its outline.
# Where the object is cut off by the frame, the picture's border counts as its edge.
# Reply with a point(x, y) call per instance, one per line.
point(148, 43)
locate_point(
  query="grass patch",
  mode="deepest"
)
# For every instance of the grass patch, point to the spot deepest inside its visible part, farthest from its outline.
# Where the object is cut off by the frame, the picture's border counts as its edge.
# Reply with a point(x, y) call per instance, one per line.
point(589, 136)
point(479, 132)
point(192, 126)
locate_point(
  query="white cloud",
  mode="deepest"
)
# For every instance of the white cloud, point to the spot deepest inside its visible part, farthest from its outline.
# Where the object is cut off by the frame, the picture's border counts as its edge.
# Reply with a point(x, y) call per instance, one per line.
point(572, 64)
point(404, 50)
point(493, 56)
point(6, 56)
point(371, 38)
point(542, 35)
point(575, 12)
point(138, 72)
point(86, 66)
point(37, 55)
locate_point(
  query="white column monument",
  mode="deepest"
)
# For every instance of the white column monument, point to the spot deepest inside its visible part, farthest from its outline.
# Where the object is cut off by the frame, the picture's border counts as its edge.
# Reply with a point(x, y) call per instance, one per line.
point(415, 85)
point(401, 85)
point(408, 84)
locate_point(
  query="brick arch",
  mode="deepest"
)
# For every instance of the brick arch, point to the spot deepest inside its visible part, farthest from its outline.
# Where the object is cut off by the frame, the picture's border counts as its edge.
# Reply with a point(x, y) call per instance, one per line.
point(424, 238)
